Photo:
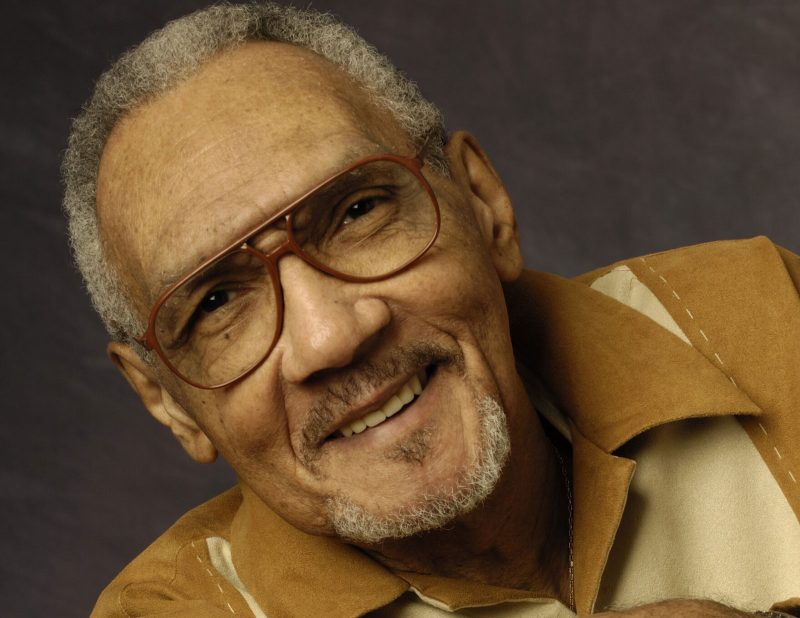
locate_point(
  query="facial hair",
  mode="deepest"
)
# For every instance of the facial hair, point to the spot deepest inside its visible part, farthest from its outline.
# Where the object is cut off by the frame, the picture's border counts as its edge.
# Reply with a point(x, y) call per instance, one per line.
point(355, 522)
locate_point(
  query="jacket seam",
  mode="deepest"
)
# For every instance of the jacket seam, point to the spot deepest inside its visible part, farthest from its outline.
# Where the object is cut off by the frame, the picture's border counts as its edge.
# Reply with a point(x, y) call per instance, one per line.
point(719, 361)
point(212, 576)
point(121, 603)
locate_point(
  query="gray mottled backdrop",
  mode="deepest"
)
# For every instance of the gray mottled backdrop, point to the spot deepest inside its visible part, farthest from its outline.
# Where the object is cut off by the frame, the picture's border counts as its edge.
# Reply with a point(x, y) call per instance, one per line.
point(620, 127)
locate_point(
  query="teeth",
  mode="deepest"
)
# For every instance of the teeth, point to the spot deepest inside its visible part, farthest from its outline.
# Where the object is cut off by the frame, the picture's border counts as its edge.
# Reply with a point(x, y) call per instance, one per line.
point(405, 395)
point(374, 418)
point(392, 406)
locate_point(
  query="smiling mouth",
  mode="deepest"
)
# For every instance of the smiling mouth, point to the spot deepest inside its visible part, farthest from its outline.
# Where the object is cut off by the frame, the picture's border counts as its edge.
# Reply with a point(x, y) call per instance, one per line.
point(397, 403)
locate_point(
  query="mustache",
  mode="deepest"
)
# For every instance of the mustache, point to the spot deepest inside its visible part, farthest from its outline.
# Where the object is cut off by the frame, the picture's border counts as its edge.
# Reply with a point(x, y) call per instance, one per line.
point(369, 375)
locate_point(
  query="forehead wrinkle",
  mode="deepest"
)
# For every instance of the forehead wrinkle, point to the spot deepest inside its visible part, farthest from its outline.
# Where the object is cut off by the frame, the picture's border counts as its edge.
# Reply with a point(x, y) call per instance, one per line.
point(238, 190)
point(351, 152)
point(235, 198)
point(252, 218)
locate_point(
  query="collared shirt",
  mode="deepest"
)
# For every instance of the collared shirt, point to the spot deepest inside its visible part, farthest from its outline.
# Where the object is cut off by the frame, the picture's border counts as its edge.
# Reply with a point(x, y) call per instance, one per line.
point(616, 373)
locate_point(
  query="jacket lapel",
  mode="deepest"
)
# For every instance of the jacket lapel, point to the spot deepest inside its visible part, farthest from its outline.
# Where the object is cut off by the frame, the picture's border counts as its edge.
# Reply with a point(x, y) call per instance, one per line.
point(738, 303)
point(613, 371)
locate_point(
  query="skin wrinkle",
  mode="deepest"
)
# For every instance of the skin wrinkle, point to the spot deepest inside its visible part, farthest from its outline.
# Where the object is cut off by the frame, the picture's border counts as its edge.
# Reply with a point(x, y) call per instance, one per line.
point(241, 221)
point(339, 397)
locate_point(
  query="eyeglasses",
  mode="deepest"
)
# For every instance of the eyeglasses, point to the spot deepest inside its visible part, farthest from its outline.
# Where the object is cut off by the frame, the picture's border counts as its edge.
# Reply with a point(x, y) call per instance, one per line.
point(366, 223)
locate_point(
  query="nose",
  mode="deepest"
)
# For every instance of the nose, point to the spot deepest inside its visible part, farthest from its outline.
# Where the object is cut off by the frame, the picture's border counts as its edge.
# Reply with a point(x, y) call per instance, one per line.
point(328, 323)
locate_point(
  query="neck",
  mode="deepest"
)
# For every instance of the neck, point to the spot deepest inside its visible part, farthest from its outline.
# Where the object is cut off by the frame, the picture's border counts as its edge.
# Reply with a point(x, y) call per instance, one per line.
point(519, 538)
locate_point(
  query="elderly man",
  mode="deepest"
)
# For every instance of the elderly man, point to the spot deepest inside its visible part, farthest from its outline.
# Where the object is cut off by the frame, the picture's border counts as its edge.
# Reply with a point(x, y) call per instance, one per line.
point(302, 273)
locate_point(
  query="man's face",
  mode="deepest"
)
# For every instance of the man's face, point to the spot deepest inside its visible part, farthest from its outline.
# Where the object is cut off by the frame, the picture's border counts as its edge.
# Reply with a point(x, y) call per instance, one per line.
point(189, 172)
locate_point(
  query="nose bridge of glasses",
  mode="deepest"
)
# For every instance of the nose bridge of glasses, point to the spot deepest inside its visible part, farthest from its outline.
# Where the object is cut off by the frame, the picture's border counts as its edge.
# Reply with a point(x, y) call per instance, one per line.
point(274, 251)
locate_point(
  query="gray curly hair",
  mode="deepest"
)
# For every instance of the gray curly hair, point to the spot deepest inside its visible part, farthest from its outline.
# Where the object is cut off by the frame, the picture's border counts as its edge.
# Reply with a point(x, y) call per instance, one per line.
point(172, 54)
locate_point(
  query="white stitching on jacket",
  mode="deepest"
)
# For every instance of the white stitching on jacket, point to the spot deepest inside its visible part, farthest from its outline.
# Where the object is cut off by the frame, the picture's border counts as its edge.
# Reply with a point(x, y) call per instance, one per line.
point(211, 574)
point(716, 355)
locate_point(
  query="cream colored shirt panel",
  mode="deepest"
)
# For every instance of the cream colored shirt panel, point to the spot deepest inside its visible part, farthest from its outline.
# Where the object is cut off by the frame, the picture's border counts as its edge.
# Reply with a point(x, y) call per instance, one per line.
point(622, 285)
point(705, 517)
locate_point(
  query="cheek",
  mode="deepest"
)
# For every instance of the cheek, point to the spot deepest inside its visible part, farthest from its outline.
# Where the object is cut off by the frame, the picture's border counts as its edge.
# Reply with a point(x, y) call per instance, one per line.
point(462, 294)
point(251, 432)
point(246, 421)
point(459, 284)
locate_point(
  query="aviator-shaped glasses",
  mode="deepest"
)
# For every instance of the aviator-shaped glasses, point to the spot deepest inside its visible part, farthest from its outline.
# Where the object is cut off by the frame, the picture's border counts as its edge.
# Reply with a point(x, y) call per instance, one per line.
point(366, 223)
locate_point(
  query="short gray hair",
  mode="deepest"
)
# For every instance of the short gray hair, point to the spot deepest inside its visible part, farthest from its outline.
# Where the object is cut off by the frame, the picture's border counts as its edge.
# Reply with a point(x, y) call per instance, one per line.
point(174, 53)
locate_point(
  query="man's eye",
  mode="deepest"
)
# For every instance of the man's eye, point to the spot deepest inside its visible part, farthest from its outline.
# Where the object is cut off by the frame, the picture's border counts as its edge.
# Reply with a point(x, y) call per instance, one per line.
point(213, 301)
point(358, 209)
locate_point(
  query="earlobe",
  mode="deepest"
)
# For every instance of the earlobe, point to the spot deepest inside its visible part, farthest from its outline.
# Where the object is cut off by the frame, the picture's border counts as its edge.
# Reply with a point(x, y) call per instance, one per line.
point(472, 170)
point(161, 405)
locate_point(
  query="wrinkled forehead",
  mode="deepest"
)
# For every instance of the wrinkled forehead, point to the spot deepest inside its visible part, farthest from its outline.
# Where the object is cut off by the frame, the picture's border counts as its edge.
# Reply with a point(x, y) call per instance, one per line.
point(191, 170)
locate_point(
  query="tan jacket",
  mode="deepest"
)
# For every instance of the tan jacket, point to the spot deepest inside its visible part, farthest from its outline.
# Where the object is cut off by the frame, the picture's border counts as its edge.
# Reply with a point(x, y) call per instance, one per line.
point(613, 371)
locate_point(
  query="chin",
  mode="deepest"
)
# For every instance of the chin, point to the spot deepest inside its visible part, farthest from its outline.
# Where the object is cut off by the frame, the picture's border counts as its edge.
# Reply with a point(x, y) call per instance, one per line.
point(363, 523)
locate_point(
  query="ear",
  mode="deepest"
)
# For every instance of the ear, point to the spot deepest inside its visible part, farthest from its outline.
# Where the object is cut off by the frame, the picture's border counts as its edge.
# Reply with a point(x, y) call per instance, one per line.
point(473, 172)
point(161, 405)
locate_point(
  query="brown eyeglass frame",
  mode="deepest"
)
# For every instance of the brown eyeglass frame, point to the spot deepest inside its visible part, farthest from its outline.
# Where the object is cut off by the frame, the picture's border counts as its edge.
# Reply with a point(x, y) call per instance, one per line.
point(412, 164)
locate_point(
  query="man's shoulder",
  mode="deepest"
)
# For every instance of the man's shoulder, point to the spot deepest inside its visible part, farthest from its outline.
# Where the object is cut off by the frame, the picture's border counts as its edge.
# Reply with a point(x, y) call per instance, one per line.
point(716, 264)
point(743, 292)
point(716, 279)
point(724, 316)
point(176, 566)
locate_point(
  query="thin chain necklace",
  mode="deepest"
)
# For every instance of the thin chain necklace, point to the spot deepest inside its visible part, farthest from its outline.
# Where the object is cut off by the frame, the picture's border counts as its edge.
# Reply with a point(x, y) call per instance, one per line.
point(568, 487)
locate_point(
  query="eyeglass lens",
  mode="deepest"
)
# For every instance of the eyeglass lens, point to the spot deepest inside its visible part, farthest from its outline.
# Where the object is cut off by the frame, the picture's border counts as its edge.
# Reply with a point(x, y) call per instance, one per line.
point(365, 224)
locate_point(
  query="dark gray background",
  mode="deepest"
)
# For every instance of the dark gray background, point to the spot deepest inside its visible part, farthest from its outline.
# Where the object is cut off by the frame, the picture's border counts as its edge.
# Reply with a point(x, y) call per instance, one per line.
point(620, 128)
